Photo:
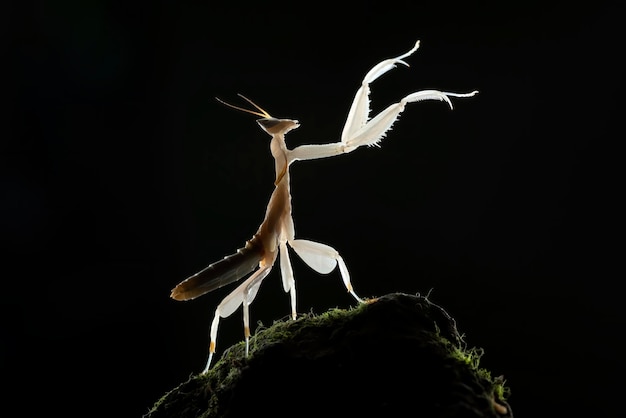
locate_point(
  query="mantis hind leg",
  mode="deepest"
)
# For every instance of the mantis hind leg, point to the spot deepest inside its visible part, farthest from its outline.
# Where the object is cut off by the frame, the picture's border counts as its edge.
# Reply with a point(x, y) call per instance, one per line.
point(244, 294)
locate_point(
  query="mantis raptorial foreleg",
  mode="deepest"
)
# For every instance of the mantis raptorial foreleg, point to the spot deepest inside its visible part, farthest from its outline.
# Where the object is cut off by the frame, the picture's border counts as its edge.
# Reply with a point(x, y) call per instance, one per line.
point(360, 109)
point(358, 129)
point(277, 232)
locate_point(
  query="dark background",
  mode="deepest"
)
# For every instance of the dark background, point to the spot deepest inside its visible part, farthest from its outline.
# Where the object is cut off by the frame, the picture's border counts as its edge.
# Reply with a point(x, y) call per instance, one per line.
point(121, 175)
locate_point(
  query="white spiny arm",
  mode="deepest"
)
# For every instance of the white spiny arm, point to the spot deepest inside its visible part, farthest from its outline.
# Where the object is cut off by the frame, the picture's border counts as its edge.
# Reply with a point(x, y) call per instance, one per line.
point(358, 130)
point(374, 130)
point(360, 109)
point(312, 152)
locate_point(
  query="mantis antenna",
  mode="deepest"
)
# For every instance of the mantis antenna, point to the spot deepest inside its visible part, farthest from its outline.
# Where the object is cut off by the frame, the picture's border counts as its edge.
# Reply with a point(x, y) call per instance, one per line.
point(262, 113)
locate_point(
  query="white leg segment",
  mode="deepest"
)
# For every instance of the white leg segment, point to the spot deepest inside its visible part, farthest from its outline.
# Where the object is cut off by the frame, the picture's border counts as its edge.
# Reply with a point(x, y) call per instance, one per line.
point(345, 275)
point(323, 259)
point(250, 292)
point(374, 130)
point(359, 130)
point(243, 294)
point(289, 283)
point(359, 111)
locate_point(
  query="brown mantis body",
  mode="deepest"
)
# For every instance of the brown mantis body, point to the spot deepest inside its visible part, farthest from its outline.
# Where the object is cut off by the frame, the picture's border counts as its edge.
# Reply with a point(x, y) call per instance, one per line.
point(277, 232)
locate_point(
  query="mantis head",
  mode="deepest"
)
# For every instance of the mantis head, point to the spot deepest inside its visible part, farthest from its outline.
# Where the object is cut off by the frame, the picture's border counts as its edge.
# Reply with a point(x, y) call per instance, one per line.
point(269, 124)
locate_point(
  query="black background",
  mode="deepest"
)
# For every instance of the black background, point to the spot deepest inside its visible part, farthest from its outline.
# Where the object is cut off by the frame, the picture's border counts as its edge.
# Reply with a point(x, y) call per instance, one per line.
point(121, 176)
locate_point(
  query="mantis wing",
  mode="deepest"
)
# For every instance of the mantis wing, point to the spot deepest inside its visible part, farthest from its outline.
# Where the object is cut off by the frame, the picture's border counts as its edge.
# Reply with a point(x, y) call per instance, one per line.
point(228, 270)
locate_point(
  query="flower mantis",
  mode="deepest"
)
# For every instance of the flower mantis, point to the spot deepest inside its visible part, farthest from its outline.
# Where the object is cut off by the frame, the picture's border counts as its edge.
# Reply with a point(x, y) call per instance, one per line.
point(277, 232)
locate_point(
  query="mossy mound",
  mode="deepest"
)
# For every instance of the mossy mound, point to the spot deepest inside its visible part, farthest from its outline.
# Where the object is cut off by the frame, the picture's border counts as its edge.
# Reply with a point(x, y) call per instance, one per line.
point(395, 356)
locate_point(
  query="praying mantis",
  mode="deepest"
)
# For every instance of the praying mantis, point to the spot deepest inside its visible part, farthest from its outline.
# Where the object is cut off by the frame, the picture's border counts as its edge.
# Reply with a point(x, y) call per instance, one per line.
point(277, 233)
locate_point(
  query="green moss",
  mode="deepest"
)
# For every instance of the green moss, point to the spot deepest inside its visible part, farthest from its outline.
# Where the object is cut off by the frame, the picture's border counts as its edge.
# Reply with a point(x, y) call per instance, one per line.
point(397, 353)
point(471, 357)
